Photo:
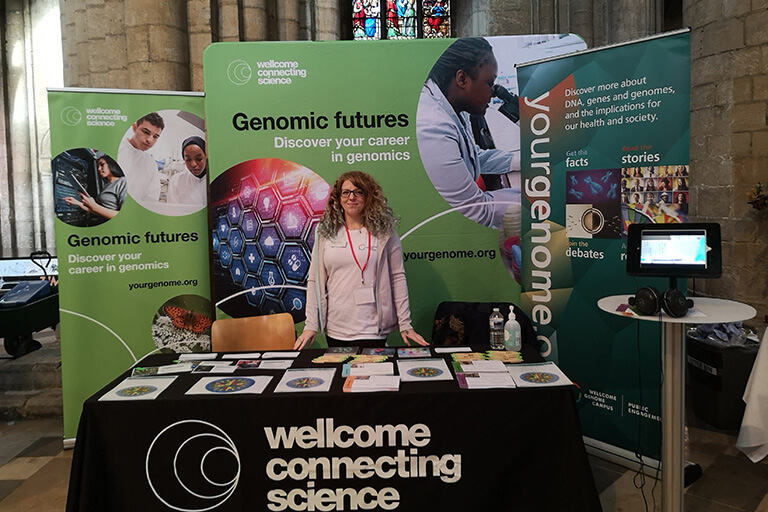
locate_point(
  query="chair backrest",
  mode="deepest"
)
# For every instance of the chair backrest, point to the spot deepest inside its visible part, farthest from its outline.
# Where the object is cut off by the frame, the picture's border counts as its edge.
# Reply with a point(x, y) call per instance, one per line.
point(461, 323)
point(265, 332)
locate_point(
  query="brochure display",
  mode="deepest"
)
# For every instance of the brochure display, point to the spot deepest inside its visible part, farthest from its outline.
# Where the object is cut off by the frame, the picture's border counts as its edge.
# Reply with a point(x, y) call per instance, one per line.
point(285, 119)
point(606, 138)
point(131, 233)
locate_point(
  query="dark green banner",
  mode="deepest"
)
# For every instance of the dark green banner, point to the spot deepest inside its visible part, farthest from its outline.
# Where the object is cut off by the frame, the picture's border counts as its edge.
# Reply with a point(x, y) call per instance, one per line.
point(605, 136)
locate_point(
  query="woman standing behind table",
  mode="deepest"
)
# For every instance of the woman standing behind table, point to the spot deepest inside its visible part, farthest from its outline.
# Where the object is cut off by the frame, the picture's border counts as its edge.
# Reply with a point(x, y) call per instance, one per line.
point(356, 288)
point(112, 196)
point(191, 187)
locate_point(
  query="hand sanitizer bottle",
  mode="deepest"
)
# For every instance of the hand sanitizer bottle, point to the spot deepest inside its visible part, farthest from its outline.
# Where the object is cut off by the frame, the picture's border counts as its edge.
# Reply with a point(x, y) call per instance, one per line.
point(512, 333)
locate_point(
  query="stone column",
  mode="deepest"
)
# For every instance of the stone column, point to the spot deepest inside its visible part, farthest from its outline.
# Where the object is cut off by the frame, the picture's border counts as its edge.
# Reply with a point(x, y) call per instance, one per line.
point(328, 23)
point(156, 35)
point(200, 36)
point(288, 20)
point(729, 139)
point(255, 20)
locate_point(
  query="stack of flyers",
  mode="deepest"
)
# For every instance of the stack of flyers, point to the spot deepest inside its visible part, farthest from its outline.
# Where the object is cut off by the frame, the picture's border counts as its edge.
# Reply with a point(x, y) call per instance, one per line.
point(379, 351)
point(281, 354)
point(247, 364)
point(413, 352)
point(369, 358)
point(371, 383)
point(358, 369)
point(507, 356)
point(484, 380)
point(334, 357)
point(462, 357)
point(480, 366)
point(148, 371)
point(423, 370)
point(342, 350)
point(538, 374)
point(215, 367)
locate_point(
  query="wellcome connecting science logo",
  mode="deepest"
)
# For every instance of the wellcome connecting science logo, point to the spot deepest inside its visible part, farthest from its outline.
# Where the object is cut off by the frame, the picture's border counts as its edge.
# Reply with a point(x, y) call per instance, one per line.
point(203, 460)
point(194, 466)
point(268, 72)
point(71, 116)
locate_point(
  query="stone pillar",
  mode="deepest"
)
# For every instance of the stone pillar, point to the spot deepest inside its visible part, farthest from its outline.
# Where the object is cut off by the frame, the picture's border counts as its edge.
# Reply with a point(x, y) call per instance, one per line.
point(200, 36)
point(229, 20)
point(288, 20)
point(255, 20)
point(156, 34)
point(729, 139)
point(22, 200)
point(328, 24)
point(629, 19)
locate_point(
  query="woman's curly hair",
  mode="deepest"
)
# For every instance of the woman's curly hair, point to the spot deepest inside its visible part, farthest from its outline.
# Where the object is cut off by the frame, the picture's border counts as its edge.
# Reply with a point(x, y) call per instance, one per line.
point(378, 217)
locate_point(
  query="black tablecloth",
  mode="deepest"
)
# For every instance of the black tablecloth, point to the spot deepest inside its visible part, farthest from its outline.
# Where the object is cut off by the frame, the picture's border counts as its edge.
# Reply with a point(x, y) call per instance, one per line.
point(429, 446)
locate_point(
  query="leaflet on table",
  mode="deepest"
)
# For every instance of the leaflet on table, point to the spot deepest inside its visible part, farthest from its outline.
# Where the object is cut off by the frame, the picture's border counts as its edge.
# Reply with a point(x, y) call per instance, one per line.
point(450, 350)
point(247, 364)
point(537, 374)
point(480, 366)
point(423, 370)
point(276, 364)
point(371, 383)
point(357, 369)
point(293, 354)
point(306, 379)
point(215, 367)
point(506, 356)
point(198, 356)
point(139, 388)
point(148, 371)
point(368, 358)
point(484, 380)
point(342, 350)
point(242, 355)
point(335, 357)
point(378, 351)
point(413, 352)
point(230, 385)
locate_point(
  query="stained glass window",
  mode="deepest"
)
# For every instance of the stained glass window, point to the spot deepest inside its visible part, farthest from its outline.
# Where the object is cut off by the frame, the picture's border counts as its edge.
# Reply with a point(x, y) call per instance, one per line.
point(400, 19)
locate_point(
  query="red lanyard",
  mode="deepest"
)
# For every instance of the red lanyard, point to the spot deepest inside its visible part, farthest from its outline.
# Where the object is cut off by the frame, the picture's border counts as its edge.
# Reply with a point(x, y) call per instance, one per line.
point(352, 248)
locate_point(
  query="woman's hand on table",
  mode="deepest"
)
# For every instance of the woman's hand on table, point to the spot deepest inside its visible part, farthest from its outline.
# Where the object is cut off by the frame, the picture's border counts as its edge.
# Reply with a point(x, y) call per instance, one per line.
point(307, 336)
point(411, 335)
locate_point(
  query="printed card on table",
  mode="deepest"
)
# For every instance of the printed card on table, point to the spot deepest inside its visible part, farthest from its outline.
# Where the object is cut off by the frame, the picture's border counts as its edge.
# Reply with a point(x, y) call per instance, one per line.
point(306, 379)
point(139, 388)
point(230, 385)
point(413, 352)
point(422, 370)
point(538, 374)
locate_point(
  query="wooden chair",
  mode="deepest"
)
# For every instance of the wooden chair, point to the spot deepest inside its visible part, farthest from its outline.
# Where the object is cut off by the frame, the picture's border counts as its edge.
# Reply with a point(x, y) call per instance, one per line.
point(265, 332)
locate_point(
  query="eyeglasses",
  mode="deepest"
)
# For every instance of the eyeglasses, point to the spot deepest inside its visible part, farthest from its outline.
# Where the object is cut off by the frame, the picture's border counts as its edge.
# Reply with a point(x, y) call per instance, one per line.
point(354, 193)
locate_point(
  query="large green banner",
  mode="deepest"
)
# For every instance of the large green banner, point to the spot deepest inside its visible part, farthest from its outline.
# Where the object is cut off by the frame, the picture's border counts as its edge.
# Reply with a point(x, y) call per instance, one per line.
point(285, 119)
point(131, 232)
point(605, 136)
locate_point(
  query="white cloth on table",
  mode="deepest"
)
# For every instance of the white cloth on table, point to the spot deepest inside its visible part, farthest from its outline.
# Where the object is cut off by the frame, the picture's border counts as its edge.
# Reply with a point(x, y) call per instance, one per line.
point(753, 435)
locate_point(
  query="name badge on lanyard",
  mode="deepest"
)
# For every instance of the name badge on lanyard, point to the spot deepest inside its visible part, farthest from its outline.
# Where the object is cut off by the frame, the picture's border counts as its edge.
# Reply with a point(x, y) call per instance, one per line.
point(364, 295)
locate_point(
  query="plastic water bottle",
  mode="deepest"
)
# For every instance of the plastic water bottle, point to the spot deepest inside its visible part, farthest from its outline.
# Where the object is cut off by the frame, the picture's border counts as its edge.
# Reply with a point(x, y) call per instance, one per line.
point(496, 323)
point(512, 333)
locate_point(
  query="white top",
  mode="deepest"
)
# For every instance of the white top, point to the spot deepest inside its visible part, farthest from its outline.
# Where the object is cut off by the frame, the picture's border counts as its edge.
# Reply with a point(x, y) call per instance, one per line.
point(140, 171)
point(351, 313)
point(186, 188)
point(706, 310)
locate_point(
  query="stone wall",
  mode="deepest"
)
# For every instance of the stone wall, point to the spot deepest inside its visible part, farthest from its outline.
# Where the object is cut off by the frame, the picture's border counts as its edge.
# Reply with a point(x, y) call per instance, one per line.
point(729, 140)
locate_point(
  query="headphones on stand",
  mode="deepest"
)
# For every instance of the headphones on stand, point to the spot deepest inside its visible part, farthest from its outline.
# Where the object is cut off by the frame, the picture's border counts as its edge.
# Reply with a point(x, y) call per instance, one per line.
point(649, 301)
